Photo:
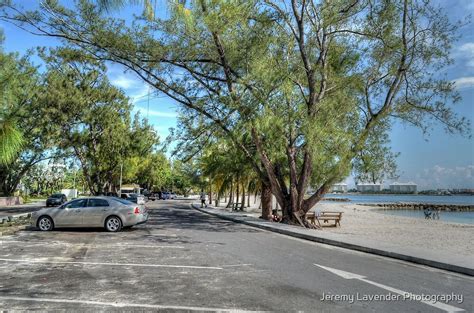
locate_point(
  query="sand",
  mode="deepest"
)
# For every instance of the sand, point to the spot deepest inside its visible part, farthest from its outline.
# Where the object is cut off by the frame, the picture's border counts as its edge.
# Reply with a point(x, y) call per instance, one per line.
point(365, 222)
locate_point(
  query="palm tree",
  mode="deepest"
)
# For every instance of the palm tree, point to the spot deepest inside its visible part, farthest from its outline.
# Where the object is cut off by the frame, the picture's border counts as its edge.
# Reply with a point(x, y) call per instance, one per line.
point(11, 140)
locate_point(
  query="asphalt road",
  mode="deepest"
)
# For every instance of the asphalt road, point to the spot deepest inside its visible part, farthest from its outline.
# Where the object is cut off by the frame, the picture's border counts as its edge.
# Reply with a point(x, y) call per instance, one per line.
point(184, 260)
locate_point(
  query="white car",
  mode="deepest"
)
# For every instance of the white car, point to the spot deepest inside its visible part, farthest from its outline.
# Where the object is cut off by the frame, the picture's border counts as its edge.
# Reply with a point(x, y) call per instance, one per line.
point(110, 213)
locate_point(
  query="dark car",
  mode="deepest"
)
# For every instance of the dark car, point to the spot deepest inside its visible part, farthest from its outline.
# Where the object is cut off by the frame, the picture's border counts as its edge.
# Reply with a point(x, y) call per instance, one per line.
point(56, 199)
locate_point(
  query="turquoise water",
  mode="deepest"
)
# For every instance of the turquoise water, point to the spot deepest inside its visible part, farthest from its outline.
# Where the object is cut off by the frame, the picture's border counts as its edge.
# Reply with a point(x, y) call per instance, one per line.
point(361, 198)
point(454, 217)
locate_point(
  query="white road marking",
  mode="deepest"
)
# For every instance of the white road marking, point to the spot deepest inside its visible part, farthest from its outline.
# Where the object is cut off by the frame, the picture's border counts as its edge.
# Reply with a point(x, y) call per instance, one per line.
point(348, 275)
point(42, 243)
point(123, 304)
point(36, 261)
point(236, 265)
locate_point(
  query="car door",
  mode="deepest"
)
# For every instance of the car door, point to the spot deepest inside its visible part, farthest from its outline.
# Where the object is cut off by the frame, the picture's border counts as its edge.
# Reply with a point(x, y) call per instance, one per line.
point(95, 212)
point(70, 214)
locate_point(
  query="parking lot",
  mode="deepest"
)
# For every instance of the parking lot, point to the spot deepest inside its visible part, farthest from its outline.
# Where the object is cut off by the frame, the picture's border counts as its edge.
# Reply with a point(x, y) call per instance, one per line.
point(183, 260)
point(149, 266)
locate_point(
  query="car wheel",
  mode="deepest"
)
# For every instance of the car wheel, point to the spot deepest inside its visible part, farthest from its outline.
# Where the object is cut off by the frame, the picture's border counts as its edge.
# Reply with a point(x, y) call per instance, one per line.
point(45, 223)
point(113, 224)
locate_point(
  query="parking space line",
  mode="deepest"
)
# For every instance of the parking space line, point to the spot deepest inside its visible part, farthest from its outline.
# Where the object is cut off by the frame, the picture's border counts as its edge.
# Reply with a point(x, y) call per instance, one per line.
point(42, 243)
point(122, 304)
point(236, 265)
point(36, 261)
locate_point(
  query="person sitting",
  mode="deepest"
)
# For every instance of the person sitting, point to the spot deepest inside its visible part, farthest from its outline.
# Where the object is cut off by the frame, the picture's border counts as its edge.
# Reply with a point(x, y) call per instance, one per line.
point(427, 212)
point(275, 216)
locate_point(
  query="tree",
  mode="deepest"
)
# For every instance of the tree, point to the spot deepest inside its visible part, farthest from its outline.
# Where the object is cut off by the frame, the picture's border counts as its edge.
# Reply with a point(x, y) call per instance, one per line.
point(377, 162)
point(93, 116)
point(151, 171)
point(26, 137)
point(11, 138)
point(305, 84)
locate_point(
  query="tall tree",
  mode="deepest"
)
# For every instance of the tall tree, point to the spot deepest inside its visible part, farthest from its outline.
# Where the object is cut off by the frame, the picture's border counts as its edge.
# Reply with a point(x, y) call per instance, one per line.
point(11, 138)
point(92, 115)
point(308, 82)
point(25, 139)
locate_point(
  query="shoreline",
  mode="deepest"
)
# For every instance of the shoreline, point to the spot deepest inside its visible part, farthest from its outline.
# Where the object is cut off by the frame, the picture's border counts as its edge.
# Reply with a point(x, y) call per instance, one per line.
point(367, 224)
point(421, 206)
point(416, 233)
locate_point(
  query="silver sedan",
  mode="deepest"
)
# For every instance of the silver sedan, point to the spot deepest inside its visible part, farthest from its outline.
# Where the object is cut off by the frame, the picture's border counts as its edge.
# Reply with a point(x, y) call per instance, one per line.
point(111, 213)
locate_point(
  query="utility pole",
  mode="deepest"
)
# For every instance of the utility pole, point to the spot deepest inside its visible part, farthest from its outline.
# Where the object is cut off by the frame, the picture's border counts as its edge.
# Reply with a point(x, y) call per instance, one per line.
point(120, 184)
point(74, 182)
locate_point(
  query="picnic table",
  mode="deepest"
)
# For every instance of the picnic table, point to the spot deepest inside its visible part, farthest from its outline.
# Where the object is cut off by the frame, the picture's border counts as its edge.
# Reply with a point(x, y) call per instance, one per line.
point(325, 217)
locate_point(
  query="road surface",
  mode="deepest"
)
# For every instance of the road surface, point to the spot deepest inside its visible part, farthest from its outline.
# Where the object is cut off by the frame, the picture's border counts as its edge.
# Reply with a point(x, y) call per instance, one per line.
point(184, 260)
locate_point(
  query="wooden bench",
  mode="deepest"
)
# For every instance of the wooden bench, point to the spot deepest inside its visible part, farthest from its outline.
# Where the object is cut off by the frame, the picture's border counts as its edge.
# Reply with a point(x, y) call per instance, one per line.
point(236, 206)
point(325, 217)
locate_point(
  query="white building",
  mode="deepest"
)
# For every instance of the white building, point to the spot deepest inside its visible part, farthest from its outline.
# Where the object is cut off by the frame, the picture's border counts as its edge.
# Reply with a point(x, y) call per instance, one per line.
point(369, 187)
point(403, 187)
point(339, 188)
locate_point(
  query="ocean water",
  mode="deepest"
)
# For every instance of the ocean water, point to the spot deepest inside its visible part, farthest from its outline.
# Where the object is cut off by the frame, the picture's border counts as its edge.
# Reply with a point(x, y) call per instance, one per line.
point(363, 198)
point(454, 217)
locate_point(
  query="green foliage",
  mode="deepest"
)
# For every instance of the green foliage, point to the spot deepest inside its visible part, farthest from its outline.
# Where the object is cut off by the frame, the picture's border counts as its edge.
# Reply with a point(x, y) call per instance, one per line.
point(299, 90)
point(377, 162)
point(25, 136)
point(94, 119)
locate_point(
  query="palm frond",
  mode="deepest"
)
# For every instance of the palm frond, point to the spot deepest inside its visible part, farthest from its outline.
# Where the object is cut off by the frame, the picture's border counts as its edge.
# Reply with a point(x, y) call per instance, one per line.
point(11, 141)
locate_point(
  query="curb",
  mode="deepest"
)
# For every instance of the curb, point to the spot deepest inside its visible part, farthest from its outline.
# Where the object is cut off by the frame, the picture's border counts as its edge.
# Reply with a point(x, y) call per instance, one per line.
point(393, 255)
point(12, 230)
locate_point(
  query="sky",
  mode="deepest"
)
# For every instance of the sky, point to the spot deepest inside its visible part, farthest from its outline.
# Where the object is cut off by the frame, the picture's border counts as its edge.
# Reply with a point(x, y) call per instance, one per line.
point(436, 160)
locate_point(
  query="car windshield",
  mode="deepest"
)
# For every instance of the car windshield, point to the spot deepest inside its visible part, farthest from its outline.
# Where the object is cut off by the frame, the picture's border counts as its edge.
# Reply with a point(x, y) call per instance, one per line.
point(123, 201)
point(56, 195)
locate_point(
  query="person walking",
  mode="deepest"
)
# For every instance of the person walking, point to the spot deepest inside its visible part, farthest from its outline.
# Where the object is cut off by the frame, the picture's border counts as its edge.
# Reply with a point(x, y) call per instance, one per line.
point(203, 198)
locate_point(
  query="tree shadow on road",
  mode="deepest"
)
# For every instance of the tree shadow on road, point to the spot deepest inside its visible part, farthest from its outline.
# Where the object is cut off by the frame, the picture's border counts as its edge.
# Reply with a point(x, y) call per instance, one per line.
point(188, 219)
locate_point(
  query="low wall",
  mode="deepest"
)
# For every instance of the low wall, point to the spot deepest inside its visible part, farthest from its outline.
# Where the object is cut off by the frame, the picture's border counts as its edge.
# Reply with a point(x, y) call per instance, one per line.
point(6, 201)
point(422, 206)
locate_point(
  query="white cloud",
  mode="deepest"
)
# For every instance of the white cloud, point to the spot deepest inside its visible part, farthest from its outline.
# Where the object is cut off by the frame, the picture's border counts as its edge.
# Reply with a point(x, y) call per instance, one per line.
point(446, 177)
point(156, 113)
point(464, 82)
point(125, 82)
point(139, 95)
point(466, 52)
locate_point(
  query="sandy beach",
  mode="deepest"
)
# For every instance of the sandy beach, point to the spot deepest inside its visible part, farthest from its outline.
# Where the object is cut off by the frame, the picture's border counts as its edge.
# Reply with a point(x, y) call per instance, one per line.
point(367, 223)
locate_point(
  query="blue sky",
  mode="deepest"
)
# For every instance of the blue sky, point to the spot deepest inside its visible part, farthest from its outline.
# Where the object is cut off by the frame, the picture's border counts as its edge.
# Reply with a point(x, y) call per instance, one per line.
point(437, 160)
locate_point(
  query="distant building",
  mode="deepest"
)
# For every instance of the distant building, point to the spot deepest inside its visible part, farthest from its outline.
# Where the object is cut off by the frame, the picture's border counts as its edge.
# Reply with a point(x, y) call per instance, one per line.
point(132, 188)
point(369, 187)
point(339, 188)
point(403, 187)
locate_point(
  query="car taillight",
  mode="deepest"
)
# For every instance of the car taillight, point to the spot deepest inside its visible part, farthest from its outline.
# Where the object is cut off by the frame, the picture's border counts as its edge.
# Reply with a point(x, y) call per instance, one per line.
point(137, 210)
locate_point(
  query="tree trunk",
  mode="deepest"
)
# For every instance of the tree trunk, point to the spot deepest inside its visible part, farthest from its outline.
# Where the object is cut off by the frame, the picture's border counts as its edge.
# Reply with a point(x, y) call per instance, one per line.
point(248, 197)
point(231, 199)
point(266, 202)
point(242, 202)
point(237, 192)
point(210, 191)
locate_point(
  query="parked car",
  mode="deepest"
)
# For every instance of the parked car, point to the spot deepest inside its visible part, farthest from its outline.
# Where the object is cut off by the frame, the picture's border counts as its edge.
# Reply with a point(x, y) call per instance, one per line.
point(56, 199)
point(154, 196)
point(136, 198)
point(111, 213)
point(168, 195)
